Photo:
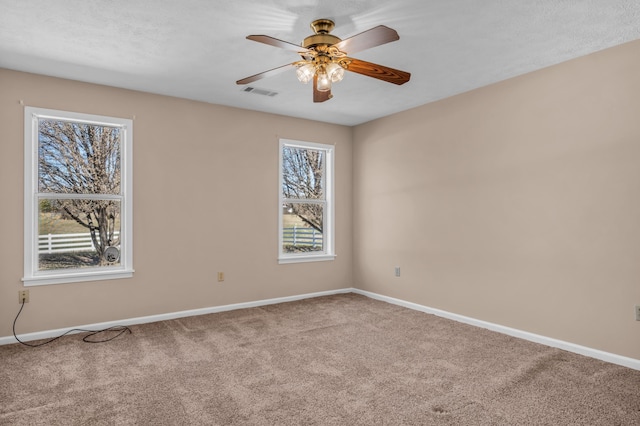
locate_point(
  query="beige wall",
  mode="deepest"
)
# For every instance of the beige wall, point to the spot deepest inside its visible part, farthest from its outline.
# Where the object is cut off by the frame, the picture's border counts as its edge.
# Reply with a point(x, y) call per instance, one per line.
point(517, 204)
point(205, 200)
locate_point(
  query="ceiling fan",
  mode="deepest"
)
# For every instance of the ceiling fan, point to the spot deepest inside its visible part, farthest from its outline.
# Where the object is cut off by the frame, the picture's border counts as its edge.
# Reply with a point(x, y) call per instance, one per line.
point(324, 57)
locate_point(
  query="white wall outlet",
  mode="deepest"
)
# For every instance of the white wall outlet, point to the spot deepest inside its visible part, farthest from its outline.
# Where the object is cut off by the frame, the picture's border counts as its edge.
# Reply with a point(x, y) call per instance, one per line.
point(397, 271)
point(637, 312)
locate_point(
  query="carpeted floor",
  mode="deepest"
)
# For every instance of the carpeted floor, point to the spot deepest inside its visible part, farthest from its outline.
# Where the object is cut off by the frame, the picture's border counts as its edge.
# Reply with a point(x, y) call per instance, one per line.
point(337, 360)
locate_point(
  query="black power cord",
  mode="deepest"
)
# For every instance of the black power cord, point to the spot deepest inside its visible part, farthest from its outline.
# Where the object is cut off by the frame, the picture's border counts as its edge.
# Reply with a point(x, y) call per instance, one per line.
point(121, 329)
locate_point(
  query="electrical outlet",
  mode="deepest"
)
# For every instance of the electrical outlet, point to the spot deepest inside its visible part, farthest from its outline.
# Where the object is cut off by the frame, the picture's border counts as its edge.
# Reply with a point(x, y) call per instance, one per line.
point(397, 271)
point(220, 276)
point(23, 296)
point(637, 312)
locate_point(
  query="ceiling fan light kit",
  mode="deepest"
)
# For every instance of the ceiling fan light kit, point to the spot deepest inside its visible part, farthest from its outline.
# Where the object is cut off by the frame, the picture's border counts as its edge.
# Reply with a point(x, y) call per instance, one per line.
point(327, 63)
point(324, 58)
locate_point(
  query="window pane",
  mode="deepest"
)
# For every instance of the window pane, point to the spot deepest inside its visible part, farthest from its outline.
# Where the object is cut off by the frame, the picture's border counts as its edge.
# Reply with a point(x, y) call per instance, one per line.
point(78, 158)
point(303, 173)
point(302, 228)
point(78, 233)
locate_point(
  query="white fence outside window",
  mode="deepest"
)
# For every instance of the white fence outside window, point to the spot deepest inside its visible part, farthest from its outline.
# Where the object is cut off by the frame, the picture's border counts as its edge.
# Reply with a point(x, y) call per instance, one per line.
point(308, 237)
point(62, 243)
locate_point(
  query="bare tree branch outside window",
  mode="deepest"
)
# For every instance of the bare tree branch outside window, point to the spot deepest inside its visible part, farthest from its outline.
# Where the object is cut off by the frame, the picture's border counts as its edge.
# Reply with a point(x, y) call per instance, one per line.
point(81, 159)
point(303, 178)
point(304, 199)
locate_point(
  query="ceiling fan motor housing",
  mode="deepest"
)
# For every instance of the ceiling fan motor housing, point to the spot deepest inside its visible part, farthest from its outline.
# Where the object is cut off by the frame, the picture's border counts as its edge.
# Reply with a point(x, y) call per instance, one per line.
point(322, 28)
point(319, 40)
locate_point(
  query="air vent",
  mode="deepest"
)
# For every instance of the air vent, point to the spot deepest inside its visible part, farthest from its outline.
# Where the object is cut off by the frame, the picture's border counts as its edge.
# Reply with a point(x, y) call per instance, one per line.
point(257, 91)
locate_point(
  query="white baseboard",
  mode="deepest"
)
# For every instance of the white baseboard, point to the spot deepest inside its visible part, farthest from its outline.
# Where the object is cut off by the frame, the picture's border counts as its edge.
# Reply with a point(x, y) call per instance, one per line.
point(548, 341)
point(168, 316)
point(571, 347)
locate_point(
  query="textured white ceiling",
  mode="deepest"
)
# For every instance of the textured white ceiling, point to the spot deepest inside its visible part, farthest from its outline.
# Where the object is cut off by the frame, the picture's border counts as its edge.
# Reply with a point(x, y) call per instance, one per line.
point(196, 49)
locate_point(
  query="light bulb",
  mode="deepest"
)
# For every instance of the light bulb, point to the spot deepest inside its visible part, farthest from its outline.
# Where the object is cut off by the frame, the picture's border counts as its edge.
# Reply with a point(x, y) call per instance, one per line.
point(335, 72)
point(324, 82)
point(305, 73)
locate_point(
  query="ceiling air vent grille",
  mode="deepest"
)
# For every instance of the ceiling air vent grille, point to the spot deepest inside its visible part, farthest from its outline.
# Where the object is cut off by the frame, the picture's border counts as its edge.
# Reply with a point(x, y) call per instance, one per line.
point(257, 91)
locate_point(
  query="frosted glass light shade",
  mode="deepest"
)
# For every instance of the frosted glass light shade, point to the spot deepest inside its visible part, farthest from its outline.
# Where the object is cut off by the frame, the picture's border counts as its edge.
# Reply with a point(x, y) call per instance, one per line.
point(335, 72)
point(324, 82)
point(305, 73)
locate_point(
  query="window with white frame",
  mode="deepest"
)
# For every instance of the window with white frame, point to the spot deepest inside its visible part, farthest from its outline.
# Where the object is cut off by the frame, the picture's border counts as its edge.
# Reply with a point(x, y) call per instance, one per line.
point(306, 210)
point(77, 197)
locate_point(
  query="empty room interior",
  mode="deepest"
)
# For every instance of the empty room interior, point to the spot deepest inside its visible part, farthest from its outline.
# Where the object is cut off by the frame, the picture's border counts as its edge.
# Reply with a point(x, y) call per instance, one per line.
point(498, 186)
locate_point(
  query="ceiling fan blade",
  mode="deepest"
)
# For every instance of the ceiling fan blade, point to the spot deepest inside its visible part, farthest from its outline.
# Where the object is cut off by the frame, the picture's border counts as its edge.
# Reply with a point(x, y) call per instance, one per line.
point(277, 43)
point(264, 74)
point(378, 71)
point(319, 96)
point(367, 39)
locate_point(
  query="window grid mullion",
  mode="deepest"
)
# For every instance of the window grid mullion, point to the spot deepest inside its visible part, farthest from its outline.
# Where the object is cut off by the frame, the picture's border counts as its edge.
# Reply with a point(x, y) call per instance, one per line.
point(303, 201)
point(63, 196)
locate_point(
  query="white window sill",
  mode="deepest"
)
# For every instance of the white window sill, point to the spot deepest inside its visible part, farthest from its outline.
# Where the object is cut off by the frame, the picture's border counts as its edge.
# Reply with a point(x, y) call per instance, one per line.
point(306, 258)
point(83, 276)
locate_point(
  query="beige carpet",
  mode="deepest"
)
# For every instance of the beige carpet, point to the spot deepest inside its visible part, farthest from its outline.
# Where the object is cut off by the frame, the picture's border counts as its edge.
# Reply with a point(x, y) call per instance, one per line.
point(338, 360)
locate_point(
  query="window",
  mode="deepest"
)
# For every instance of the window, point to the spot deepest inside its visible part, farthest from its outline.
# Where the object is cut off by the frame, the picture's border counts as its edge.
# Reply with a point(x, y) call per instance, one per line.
point(77, 199)
point(306, 202)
